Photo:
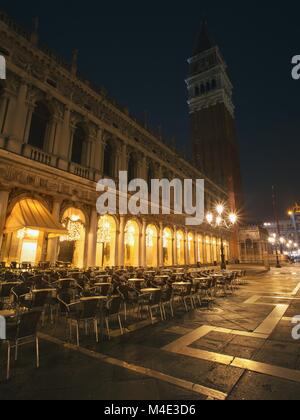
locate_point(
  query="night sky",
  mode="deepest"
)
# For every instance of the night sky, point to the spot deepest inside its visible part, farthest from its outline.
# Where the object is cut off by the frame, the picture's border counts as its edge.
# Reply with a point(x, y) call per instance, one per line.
point(137, 51)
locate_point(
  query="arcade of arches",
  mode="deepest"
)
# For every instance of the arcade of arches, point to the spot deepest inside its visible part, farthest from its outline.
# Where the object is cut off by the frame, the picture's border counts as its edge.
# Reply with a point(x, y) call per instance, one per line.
point(70, 235)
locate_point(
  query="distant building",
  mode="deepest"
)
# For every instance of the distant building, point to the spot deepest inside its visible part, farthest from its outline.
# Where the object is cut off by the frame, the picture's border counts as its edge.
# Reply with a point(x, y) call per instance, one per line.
point(212, 118)
point(254, 245)
point(212, 121)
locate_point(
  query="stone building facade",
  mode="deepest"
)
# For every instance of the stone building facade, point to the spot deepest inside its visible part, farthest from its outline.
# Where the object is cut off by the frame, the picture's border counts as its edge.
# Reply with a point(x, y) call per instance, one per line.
point(58, 136)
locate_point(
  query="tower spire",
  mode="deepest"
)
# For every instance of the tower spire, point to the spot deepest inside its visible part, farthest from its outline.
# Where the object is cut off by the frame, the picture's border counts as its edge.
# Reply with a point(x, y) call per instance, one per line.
point(204, 41)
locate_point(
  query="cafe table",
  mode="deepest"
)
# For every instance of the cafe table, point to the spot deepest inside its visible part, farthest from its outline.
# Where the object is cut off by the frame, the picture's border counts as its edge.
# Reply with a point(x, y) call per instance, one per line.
point(136, 280)
point(8, 313)
point(149, 291)
point(181, 284)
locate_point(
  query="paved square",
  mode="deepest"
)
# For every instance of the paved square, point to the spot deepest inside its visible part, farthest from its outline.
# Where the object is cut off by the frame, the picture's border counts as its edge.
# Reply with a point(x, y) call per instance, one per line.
point(241, 349)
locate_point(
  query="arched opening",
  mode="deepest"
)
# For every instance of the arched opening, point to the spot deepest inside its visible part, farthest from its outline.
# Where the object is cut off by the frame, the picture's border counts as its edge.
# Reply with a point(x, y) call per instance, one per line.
point(78, 146)
point(131, 243)
point(180, 248)
point(106, 242)
point(109, 161)
point(26, 228)
point(132, 168)
point(168, 247)
point(72, 246)
point(191, 248)
point(151, 246)
point(208, 250)
point(39, 127)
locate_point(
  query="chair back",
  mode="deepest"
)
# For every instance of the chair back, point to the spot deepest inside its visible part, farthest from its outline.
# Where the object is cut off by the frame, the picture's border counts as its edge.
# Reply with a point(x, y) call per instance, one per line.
point(114, 306)
point(40, 299)
point(155, 298)
point(5, 290)
point(89, 309)
point(28, 324)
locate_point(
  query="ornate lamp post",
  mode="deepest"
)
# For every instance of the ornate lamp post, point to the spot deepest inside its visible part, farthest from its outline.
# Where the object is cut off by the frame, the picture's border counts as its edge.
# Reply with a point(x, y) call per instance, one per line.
point(276, 242)
point(222, 220)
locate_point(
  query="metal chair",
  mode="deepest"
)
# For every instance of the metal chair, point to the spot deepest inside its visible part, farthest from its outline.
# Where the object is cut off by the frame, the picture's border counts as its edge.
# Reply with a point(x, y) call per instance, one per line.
point(22, 333)
point(84, 312)
point(113, 309)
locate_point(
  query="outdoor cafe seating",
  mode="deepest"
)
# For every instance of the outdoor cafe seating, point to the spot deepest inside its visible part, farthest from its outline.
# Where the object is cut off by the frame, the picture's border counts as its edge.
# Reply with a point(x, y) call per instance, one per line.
point(102, 301)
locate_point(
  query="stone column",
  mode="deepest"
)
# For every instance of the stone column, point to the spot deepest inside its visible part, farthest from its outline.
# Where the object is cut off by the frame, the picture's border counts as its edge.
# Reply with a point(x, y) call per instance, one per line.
point(62, 148)
point(143, 250)
point(4, 196)
point(19, 120)
point(121, 245)
point(92, 239)
point(30, 110)
point(99, 147)
point(175, 246)
point(161, 245)
point(197, 259)
point(53, 242)
point(3, 112)
point(186, 248)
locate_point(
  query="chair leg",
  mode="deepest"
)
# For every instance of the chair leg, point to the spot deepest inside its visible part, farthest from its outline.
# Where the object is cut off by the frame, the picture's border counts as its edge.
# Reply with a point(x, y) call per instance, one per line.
point(185, 304)
point(120, 324)
point(96, 330)
point(151, 315)
point(8, 361)
point(161, 312)
point(16, 350)
point(172, 310)
point(77, 334)
point(125, 310)
point(107, 327)
point(37, 347)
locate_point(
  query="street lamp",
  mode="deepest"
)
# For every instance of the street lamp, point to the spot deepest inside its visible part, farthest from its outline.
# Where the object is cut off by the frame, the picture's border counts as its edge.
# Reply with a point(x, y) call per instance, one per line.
point(273, 240)
point(222, 219)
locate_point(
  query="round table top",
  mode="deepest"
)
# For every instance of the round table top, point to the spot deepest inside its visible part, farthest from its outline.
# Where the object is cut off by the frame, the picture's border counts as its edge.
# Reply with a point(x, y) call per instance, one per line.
point(161, 277)
point(86, 299)
point(181, 284)
point(150, 290)
point(136, 280)
point(7, 314)
point(43, 290)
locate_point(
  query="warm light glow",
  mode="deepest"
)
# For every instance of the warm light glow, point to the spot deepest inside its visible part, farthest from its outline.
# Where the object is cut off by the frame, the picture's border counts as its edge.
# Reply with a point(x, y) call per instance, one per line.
point(220, 209)
point(282, 240)
point(150, 235)
point(179, 240)
point(272, 240)
point(219, 220)
point(166, 238)
point(209, 218)
point(28, 233)
point(233, 218)
point(74, 218)
point(104, 230)
point(130, 236)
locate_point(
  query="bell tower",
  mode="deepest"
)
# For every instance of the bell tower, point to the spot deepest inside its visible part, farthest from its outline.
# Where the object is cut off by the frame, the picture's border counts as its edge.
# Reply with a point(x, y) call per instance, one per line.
point(212, 118)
